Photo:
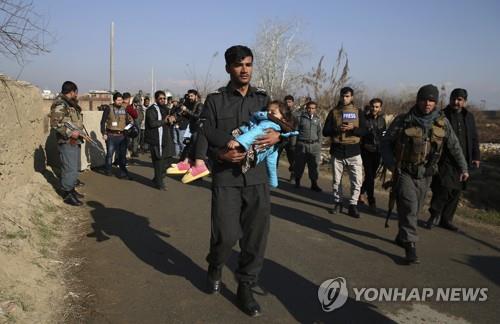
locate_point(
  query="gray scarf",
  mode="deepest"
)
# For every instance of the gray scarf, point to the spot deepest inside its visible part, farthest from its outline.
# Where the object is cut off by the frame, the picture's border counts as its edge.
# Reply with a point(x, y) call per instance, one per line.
point(422, 120)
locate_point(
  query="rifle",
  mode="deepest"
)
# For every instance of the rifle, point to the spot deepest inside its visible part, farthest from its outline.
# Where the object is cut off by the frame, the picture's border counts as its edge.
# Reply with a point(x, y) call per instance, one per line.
point(393, 184)
point(392, 194)
point(84, 134)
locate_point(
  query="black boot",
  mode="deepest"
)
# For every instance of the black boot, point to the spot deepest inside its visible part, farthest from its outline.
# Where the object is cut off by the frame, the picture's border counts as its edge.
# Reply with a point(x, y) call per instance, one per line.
point(297, 183)
point(247, 303)
point(411, 253)
point(337, 208)
point(449, 226)
point(353, 211)
point(125, 175)
point(214, 282)
point(315, 187)
point(77, 194)
point(399, 242)
point(372, 203)
point(70, 199)
point(430, 222)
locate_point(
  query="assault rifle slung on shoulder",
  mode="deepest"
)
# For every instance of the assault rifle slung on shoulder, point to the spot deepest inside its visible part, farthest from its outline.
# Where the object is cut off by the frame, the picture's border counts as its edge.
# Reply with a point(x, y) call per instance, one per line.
point(84, 134)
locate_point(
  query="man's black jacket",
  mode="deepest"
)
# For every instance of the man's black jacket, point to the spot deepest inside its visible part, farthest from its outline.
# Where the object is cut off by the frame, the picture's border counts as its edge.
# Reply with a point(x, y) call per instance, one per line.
point(449, 172)
point(151, 135)
point(225, 110)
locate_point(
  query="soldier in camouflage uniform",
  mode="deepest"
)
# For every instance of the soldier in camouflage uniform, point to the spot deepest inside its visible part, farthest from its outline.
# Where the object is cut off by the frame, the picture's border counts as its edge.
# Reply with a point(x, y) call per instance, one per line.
point(65, 109)
point(412, 148)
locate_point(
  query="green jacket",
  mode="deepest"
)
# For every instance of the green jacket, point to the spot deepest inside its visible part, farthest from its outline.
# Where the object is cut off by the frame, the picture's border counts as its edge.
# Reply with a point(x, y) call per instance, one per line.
point(61, 111)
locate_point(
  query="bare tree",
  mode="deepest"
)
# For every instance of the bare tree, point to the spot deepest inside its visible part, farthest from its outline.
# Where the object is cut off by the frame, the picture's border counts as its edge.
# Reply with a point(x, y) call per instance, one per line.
point(278, 50)
point(325, 86)
point(205, 85)
point(23, 31)
point(396, 104)
point(442, 97)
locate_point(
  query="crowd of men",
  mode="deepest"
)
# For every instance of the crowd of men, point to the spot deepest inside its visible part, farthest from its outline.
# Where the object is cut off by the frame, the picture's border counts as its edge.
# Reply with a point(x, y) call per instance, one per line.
point(421, 147)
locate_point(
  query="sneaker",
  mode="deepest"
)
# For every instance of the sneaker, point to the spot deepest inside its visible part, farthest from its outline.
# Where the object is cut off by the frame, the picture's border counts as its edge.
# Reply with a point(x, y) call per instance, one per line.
point(195, 173)
point(179, 168)
point(337, 208)
point(353, 211)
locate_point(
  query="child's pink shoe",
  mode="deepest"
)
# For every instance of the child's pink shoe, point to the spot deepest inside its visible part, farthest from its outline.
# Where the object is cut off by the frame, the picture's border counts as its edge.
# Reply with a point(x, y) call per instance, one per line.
point(179, 168)
point(194, 173)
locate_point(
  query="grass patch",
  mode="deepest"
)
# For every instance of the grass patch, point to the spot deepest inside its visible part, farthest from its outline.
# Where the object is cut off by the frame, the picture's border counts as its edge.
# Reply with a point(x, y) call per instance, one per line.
point(20, 234)
point(50, 208)
point(17, 300)
point(491, 217)
point(46, 232)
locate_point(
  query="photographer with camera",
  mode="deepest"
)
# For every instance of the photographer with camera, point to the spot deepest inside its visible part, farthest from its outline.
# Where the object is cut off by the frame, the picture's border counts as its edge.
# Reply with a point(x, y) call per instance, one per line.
point(180, 126)
point(191, 112)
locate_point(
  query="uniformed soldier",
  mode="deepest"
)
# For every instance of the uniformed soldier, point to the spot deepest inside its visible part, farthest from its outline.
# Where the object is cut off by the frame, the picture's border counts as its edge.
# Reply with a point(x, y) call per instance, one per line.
point(446, 187)
point(240, 201)
point(412, 148)
point(308, 147)
point(65, 109)
point(345, 124)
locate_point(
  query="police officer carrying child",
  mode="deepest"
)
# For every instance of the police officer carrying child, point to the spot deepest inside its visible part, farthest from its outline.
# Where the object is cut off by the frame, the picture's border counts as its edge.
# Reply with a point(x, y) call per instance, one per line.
point(241, 204)
point(412, 148)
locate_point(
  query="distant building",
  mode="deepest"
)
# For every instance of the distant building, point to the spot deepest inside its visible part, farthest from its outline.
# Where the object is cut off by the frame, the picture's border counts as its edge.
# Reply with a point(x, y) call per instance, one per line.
point(47, 94)
point(94, 99)
point(491, 114)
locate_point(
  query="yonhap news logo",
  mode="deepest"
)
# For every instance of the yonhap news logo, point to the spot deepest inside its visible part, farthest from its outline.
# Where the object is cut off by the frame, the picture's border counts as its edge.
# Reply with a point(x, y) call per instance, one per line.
point(333, 294)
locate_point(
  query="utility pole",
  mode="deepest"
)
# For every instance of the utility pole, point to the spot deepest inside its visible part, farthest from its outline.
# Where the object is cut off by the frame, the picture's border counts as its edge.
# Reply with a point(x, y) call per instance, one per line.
point(152, 81)
point(112, 59)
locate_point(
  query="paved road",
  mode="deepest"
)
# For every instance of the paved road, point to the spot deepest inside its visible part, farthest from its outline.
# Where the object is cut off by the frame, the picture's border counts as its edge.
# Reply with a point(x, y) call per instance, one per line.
point(146, 249)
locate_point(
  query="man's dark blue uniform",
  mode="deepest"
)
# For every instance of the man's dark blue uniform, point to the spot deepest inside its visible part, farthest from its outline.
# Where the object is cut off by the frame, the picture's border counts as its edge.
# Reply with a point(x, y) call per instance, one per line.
point(241, 204)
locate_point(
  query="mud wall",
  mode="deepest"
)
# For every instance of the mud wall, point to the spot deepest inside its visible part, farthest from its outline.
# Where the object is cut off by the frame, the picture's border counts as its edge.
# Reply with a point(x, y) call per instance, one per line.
point(23, 131)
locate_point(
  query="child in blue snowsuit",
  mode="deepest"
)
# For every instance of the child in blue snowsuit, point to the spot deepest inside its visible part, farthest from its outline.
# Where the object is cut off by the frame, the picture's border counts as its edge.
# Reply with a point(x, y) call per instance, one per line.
point(245, 136)
point(256, 128)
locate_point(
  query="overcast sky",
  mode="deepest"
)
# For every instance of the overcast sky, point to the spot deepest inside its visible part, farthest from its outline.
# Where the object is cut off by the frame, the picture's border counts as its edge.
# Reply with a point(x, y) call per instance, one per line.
point(391, 45)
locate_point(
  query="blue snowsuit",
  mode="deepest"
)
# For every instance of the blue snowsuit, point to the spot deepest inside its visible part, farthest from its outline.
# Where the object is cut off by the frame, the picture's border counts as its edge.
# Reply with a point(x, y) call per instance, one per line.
point(256, 128)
